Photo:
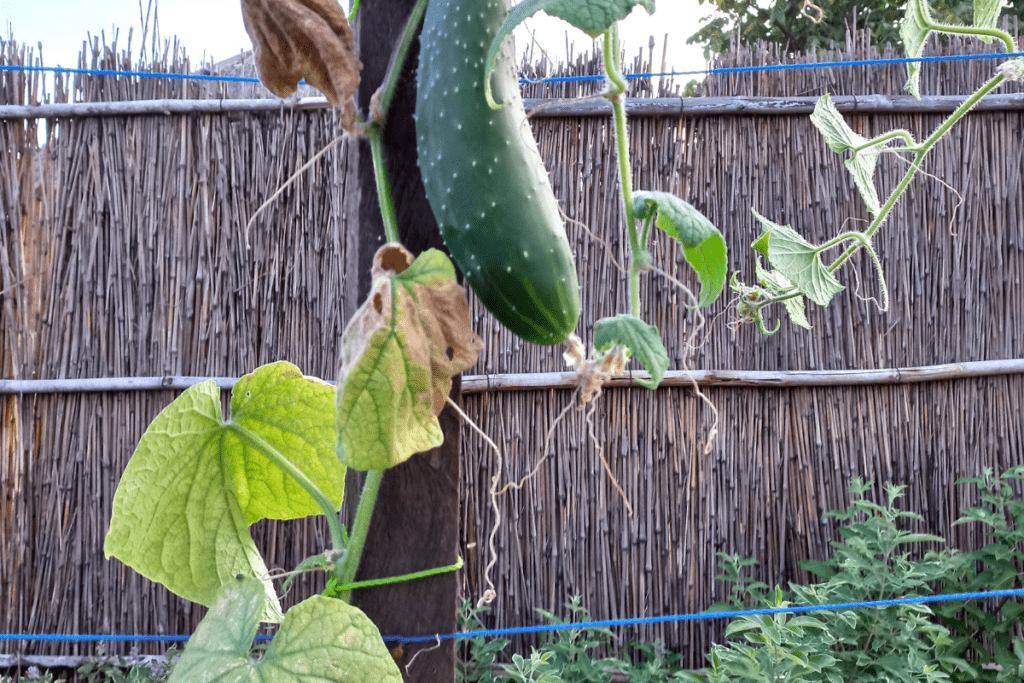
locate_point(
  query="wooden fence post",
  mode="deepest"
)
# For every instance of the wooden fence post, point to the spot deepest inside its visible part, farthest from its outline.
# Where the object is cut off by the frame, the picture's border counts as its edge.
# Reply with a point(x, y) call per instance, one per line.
point(416, 520)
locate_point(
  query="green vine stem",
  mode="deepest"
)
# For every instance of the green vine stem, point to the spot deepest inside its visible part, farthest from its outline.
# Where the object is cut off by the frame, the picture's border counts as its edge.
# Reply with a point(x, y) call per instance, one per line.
point(379, 105)
point(422, 574)
point(980, 31)
point(900, 134)
point(360, 527)
point(352, 12)
point(315, 492)
point(386, 92)
point(616, 95)
point(375, 134)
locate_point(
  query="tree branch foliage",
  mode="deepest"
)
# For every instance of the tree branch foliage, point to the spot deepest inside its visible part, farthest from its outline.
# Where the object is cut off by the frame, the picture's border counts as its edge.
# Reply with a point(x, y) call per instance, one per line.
point(799, 25)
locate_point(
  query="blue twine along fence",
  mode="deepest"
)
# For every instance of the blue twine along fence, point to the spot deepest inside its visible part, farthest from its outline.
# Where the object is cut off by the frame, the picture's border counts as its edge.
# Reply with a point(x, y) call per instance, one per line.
point(541, 628)
point(551, 79)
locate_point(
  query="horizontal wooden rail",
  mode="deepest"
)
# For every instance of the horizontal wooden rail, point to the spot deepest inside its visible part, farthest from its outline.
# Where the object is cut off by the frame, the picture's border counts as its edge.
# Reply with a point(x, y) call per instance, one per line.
point(543, 108)
point(755, 378)
point(767, 106)
point(474, 384)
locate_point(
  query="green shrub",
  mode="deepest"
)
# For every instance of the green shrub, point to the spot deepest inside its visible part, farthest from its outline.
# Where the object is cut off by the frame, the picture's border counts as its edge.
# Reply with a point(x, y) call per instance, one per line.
point(954, 641)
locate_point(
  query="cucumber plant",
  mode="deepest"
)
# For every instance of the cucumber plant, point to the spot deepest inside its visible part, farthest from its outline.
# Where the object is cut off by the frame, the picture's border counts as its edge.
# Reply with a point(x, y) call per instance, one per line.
point(197, 482)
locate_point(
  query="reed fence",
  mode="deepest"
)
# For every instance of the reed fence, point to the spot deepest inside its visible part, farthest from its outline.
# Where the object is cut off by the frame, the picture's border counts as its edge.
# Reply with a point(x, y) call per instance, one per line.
point(123, 253)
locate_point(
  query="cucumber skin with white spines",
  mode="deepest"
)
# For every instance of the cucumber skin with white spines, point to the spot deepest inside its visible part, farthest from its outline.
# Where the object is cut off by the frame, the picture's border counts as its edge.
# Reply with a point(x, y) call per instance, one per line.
point(485, 178)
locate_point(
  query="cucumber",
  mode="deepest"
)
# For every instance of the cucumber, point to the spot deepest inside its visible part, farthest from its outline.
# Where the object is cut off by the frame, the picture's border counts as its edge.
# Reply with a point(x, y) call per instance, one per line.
point(485, 178)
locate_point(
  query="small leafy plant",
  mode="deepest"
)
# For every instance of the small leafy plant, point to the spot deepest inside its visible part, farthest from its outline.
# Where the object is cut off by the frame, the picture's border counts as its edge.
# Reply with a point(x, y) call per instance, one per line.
point(990, 634)
point(570, 649)
point(564, 655)
point(476, 655)
point(128, 669)
point(33, 674)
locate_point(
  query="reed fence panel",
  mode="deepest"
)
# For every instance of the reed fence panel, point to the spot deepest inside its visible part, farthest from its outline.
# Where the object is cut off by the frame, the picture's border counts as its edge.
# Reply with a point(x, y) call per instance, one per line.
point(124, 252)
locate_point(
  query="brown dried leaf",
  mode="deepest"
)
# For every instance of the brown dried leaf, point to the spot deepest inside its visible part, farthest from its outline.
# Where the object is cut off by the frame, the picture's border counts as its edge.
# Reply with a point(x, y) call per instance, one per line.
point(399, 353)
point(311, 39)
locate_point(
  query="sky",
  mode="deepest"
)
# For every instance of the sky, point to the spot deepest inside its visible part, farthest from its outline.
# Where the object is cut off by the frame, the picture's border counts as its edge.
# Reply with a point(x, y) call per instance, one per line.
point(213, 28)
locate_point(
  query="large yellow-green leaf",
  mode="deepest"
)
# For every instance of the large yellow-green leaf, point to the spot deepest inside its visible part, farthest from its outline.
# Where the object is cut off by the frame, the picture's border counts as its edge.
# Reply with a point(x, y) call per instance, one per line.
point(295, 415)
point(320, 640)
point(183, 507)
point(399, 353)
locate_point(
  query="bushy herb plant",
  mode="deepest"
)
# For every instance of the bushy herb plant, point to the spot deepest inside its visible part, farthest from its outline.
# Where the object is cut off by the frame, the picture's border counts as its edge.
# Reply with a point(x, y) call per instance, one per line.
point(954, 641)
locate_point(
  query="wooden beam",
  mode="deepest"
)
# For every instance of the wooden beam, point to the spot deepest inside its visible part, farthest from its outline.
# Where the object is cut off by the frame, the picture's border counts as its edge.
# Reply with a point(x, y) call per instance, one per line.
point(474, 384)
point(753, 378)
point(546, 108)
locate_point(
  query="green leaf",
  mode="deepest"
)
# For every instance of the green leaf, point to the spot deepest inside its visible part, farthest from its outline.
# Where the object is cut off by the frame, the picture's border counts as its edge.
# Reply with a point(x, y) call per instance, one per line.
point(703, 244)
point(320, 640)
point(840, 138)
point(776, 283)
point(986, 14)
point(914, 30)
point(593, 17)
point(798, 261)
point(399, 353)
point(642, 340)
point(821, 570)
point(194, 485)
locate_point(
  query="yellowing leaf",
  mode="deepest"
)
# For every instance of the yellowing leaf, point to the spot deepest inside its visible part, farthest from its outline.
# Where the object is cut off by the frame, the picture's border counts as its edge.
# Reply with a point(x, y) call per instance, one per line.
point(305, 39)
point(399, 353)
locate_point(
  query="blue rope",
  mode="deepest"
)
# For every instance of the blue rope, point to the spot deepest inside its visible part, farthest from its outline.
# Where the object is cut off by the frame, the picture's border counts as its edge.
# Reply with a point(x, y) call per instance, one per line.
point(796, 609)
point(551, 79)
point(135, 74)
point(608, 623)
point(77, 638)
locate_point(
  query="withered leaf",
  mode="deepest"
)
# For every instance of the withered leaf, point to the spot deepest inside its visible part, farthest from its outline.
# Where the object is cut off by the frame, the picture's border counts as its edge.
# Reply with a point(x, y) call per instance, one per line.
point(399, 353)
point(311, 39)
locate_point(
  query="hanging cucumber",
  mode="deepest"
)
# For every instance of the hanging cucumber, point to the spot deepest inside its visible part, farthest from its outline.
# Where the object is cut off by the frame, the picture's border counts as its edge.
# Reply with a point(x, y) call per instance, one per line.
point(485, 179)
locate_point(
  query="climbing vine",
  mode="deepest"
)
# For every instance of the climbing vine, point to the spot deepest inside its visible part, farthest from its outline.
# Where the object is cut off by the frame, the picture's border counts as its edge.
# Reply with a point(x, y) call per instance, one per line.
point(197, 482)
